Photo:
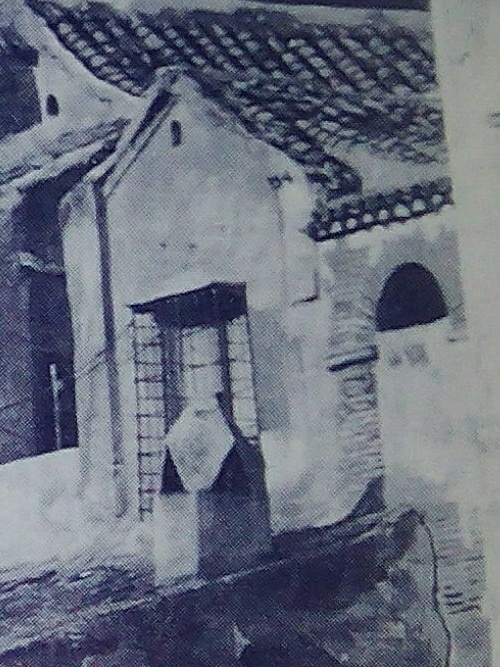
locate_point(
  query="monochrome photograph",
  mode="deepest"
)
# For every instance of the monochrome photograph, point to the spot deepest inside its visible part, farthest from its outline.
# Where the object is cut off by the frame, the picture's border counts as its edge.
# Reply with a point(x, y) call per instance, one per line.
point(249, 333)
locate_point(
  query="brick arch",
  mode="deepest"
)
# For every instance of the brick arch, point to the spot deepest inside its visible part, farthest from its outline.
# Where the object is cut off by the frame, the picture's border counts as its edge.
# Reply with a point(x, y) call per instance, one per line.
point(438, 253)
point(410, 296)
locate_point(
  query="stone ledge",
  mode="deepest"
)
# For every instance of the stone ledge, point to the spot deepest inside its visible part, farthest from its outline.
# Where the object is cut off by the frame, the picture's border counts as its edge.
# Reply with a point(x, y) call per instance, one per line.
point(105, 603)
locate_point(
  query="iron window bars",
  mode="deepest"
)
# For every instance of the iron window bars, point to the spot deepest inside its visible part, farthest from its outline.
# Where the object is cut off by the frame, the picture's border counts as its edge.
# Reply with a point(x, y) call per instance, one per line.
point(185, 345)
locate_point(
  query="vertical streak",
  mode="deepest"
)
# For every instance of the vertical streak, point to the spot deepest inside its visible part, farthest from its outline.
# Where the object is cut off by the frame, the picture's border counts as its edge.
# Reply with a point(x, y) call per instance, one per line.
point(110, 352)
point(282, 240)
point(225, 367)
point(435, 590)
point(54, 385)
point(251, 354)
point(136, 343)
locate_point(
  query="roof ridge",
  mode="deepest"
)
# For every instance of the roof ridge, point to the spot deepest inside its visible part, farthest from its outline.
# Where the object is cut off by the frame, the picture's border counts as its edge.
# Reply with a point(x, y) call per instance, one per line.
point(311, 90)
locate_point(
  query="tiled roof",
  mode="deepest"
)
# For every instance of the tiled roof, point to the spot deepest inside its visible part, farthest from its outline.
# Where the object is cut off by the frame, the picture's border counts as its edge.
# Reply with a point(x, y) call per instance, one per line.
point(30, 153)
point(353, 213)
point(310, 90)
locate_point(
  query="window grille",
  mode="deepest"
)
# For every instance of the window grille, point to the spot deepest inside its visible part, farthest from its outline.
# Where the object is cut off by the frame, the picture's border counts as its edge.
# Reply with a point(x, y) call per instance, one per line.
point(150, 416)
point(189, 346)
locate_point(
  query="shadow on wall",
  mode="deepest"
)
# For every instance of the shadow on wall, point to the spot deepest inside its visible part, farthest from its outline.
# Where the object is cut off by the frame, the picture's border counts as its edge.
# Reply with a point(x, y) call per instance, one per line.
point(272, 404)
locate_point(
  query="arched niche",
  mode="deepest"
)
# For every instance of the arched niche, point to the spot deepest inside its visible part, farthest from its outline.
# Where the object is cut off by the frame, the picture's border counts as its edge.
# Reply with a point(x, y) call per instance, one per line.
point(411, 296)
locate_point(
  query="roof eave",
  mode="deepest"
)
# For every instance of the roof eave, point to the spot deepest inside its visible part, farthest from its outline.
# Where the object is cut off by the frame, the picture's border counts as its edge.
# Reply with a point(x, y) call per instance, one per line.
point(138, 135)
point(84, 158)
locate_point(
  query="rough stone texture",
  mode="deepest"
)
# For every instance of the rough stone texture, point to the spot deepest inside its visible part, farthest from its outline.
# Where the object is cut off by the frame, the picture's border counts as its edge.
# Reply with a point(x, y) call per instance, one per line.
point(348, 603)
point(359, 421)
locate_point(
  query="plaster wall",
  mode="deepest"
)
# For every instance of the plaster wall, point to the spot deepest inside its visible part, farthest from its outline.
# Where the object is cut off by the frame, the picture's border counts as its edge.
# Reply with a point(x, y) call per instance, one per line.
point(468, 52)
point(175, 222)
point(420, 401)
point(92, 398)
point(426, 419)
point(82, 100)
point(196, 225)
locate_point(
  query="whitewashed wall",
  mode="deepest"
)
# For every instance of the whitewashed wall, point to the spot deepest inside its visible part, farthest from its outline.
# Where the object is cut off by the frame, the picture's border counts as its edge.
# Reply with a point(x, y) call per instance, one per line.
point(426, 415)
point(200, 212)
point(83, 100)
point(428, 423)
point(468, 53)
point(203, 211)
point(82, 264)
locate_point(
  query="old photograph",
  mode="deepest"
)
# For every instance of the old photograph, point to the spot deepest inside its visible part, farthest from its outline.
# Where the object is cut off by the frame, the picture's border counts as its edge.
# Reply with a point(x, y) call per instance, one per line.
point(247, 379)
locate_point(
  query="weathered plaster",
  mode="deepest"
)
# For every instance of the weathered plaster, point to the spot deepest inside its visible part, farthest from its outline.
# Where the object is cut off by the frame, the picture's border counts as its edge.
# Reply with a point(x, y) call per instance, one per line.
point(236, 228)
point(173, 225)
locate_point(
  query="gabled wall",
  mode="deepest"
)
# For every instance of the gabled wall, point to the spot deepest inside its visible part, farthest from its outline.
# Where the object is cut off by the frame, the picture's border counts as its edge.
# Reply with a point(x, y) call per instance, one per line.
point(81, 99)
point(202, 211)
point(326, 388)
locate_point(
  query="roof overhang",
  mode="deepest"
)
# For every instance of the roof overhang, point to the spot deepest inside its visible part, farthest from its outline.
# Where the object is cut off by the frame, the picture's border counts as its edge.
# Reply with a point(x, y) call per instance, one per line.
point(308, 88)
point(316, 91)
point(353, 214)
point(208, 304)
point(31, 158)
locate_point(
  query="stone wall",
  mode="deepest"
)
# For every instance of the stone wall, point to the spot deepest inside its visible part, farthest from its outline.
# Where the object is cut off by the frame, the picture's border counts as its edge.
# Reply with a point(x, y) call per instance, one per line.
point(359, 429)
point(346, 601)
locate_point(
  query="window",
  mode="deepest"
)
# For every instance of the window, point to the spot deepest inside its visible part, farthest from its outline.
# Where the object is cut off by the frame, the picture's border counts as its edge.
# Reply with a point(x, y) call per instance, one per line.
point(176, 133)
point(192, 347)
point(52, 105)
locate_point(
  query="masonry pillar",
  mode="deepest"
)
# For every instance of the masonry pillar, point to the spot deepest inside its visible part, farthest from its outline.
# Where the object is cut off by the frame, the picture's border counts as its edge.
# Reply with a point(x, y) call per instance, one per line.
point(351, 358)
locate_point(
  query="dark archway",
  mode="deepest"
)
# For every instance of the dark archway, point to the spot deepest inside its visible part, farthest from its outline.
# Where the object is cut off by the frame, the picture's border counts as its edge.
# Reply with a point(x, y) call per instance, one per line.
point(411, 296)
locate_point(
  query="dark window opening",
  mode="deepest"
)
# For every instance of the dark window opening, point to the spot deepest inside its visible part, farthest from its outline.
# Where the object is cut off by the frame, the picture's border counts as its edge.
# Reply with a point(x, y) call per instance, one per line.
point(192, 347)
point(411, 296)
point(176, 133)
point(54, 409)
point(52, 105)
point(48, 346)
point(53, 375)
